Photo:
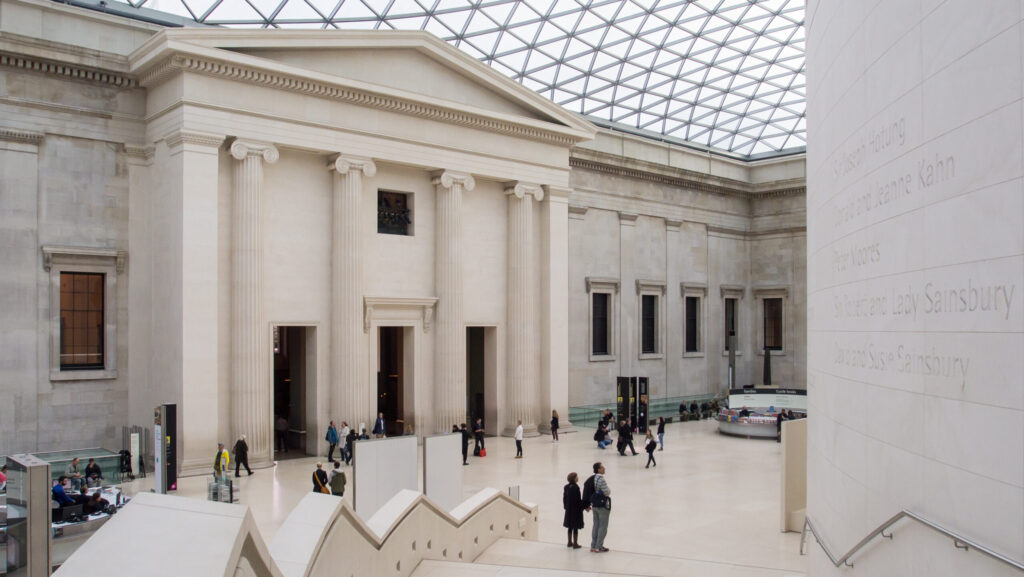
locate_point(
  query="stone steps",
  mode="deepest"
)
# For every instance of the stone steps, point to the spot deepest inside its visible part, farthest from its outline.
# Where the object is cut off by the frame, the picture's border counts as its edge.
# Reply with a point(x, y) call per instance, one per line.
point(516, 558)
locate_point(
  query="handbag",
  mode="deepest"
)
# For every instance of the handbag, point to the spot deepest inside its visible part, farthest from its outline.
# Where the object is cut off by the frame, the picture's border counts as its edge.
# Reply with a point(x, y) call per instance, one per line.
point(323, 489)
point(599, 499)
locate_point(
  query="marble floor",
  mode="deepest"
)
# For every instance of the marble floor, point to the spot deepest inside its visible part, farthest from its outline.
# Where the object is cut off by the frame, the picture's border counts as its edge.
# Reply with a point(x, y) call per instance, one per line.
point(712, 501)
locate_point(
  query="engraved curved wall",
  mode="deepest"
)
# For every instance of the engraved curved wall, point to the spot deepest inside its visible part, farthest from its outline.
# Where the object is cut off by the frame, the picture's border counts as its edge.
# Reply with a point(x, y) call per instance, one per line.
point(916, 280)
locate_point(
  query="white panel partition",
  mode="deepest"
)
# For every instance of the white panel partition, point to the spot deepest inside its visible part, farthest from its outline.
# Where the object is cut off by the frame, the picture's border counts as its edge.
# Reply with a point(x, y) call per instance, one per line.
point(442, 470)
point(381, 468)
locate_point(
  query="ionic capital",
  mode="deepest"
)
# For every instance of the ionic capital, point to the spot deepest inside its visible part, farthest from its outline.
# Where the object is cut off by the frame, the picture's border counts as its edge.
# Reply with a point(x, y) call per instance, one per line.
point(521, 189)
point(240, 149)
point(447, 178)
point(345, 164)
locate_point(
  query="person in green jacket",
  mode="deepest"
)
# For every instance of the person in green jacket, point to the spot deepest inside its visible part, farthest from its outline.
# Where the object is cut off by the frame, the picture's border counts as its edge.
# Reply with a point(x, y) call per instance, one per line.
point(336, 480)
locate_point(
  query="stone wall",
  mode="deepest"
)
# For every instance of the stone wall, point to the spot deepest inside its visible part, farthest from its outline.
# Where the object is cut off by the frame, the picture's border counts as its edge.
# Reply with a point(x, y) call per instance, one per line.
point(915, 263)
point(643, 212)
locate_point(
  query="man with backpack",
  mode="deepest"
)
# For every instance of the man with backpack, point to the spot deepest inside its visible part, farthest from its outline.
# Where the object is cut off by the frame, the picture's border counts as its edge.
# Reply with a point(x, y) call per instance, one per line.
point(597, 498)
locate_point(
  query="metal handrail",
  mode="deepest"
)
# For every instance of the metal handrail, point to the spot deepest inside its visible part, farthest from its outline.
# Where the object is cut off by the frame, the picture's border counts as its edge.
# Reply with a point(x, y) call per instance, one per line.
point(959, 541)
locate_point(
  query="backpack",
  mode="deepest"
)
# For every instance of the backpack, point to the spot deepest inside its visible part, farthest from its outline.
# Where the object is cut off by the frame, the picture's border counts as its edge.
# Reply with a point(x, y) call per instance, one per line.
point(588, 490)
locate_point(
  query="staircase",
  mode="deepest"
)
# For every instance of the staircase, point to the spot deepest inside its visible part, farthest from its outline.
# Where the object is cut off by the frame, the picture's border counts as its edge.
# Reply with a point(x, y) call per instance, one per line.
point(518, 558)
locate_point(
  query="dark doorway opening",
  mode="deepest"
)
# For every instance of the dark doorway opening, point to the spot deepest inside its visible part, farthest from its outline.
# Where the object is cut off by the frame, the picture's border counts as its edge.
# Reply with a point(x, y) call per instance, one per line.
point(476, 376)
point(292, 372)
point(391, 379)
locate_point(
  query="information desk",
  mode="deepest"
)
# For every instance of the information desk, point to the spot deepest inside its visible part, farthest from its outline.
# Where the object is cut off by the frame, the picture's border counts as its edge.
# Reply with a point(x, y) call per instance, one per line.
point(761, 426)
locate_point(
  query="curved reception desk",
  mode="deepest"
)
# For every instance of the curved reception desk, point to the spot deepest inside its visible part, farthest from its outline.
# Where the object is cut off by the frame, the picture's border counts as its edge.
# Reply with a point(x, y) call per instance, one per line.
point(762, 427)
point(763, 403)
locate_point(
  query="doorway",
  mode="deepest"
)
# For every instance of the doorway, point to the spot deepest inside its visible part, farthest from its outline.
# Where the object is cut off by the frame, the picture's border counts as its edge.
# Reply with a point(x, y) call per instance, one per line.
point(294, 387)
point(481, 377)
point(394, 398)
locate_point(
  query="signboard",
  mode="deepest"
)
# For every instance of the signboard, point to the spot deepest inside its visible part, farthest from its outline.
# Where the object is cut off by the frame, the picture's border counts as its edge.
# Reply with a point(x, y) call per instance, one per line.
point(158, 459)
point(170, 447)
point(763, 398)
point(641, 407)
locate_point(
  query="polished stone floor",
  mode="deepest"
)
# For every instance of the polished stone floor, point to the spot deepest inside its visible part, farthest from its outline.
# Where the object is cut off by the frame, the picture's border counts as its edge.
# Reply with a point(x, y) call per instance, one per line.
point(712, 502)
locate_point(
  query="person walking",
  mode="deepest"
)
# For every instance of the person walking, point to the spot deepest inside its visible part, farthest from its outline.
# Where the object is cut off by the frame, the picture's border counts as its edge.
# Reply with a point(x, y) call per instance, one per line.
point(332, 440)
point(379, 427)
point(349, 439)
point(320, 479)
point(220, 461)
point(650, 445)
point(336, 480)
point(478, 436)
point(572, 502)
point(661, 433)
point(626, 438)
point(597, 498)
point(519, 439)
point(465, 444)
point(241, 455)
point(554, 426)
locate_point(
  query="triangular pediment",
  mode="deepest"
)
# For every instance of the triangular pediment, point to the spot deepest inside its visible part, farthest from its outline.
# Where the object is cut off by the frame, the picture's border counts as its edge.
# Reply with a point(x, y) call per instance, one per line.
point(413, 65)
point(403, 69)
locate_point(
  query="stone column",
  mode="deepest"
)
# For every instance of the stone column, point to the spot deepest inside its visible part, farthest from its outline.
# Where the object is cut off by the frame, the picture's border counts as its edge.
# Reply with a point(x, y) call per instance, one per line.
point(522, 389)
point(251, 406)
point(450, 339)
point(350, 392)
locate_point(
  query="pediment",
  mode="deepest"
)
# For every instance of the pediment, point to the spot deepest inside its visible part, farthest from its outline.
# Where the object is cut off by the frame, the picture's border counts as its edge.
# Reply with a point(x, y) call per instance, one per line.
point(403, 69)
point(410, 65)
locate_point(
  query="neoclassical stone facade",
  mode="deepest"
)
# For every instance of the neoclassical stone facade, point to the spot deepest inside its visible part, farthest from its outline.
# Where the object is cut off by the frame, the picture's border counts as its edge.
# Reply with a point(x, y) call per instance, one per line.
point(227, 183)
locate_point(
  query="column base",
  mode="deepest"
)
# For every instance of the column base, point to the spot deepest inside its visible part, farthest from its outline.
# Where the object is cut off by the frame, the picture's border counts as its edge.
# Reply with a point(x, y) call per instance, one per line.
point(563, 427)
point(528, 431)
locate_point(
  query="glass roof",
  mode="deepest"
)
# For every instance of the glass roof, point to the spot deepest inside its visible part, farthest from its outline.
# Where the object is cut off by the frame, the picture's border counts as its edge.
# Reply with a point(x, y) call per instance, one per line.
point(722, 74)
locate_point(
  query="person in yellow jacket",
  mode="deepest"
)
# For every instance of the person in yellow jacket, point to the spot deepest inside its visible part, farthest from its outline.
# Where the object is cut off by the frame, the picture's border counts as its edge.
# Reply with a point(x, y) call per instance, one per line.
point(220, 461)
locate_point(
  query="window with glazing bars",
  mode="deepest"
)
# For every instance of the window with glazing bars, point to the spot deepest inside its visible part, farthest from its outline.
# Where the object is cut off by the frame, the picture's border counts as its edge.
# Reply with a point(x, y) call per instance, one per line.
point(81, 320)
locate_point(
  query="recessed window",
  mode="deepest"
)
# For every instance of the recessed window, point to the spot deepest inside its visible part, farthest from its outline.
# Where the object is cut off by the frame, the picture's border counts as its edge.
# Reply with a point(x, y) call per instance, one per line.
point(730, 321)
point(601, 299)
point(600, 327)
point(394, 213)
point(81, 321)
point(691, 337)
point(773, 324)
point(649, 330)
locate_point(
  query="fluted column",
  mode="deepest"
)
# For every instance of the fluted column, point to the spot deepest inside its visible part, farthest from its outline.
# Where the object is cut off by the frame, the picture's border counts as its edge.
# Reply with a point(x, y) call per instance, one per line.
point(251, 406)
point(450, 339)
point(350, 393)
point(522, 389)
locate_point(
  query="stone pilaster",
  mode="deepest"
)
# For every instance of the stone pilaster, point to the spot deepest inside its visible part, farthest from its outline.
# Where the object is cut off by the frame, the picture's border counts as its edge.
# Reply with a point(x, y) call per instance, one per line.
point(522, 389)
point(251, 407)
point(350, 392)
point(450, 339)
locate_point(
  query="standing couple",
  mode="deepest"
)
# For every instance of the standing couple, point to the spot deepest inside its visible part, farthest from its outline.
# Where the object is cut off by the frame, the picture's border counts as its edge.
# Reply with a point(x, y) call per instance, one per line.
point(596, 497)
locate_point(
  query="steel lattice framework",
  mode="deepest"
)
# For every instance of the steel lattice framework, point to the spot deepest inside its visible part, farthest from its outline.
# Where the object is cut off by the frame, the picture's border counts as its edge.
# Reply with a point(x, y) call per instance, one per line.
point(723, 74)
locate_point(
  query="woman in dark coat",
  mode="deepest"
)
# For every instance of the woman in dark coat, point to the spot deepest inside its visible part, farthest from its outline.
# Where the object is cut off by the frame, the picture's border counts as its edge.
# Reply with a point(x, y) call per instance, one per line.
point(572, 502)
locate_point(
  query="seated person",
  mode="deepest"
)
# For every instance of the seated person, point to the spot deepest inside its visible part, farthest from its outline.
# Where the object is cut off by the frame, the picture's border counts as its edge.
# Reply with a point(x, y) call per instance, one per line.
point(95, 504)
point(693, 407)
point(58, 493)
point(744, 412)
point(682, 408)
point(3, 478)
point(705, 408)
point(74, 474)
point(93, 474)
point(364, 436)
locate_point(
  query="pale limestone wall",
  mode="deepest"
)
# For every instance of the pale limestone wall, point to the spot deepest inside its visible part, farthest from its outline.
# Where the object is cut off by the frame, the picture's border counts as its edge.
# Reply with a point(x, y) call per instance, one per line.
point(65, 182)
point(915, 388)
point(733, 224)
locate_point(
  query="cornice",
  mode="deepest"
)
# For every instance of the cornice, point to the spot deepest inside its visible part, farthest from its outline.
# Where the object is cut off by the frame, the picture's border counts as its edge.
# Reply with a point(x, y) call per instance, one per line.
point(179, 137)
point(610, 164)
point(12, 135)
point(252, 75)
point(67, 70)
